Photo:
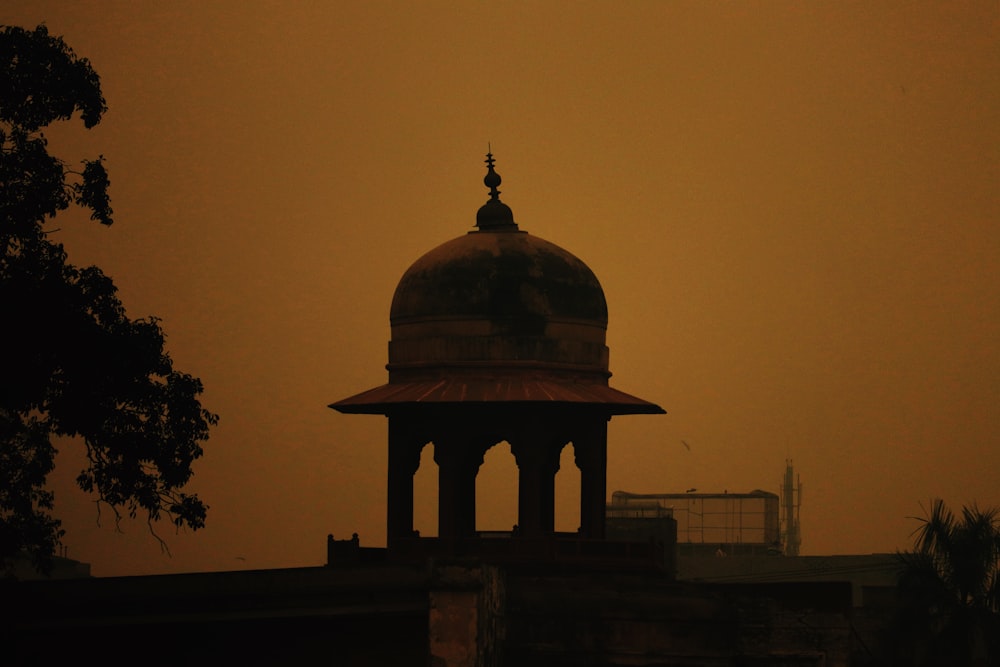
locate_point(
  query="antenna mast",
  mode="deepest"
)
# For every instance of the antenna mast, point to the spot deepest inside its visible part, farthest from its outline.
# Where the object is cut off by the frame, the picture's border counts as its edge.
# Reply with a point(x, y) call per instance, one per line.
point(791, 501)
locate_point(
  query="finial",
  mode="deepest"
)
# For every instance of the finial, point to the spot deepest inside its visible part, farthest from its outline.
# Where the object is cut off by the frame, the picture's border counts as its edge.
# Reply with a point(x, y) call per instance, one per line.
point(494, 215)
point(492, 179)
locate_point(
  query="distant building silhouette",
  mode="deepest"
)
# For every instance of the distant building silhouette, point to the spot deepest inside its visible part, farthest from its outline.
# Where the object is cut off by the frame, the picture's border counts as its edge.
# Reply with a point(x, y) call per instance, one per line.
point(740, 522)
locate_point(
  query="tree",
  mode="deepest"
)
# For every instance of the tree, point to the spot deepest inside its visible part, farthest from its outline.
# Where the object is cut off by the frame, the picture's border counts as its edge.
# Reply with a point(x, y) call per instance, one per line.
point(73, 364)
point(949, 590)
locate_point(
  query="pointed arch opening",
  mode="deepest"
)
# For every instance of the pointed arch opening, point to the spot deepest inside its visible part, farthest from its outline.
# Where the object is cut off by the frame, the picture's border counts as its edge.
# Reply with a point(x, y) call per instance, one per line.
point(496, 490)
point(425, 494)
point(567, 493)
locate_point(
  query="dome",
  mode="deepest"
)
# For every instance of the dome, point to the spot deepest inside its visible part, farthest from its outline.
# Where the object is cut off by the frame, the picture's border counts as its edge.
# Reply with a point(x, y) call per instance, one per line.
point(516, 281)
point(498, 296)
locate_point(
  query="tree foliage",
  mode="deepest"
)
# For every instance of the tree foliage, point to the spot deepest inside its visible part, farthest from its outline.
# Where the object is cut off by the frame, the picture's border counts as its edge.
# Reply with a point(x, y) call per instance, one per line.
point(72, 362)
point(949, 590)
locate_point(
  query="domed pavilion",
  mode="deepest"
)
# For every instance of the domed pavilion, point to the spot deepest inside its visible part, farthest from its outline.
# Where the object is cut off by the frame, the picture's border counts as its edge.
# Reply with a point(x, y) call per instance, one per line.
point(497, 335)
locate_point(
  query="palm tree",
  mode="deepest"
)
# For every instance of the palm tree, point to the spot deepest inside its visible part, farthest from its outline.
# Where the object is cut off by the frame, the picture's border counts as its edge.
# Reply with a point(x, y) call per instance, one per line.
point(949, 590)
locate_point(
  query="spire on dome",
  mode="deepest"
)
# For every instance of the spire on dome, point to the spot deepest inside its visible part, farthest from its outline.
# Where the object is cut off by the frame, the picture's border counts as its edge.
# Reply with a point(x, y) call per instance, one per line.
point(494, 214)
point(492, 179)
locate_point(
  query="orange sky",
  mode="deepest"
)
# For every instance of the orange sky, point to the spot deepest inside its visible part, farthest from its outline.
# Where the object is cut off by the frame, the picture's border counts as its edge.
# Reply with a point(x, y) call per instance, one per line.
point(792, 207)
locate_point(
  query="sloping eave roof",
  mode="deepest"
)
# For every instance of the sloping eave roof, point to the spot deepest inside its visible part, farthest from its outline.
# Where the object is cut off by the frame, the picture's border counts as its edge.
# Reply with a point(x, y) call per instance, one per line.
point(465, 391)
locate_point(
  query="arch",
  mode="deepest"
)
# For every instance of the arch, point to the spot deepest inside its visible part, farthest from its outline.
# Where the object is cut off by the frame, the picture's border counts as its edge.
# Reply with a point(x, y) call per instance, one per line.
point(496, 490)
point(567, 493)
point(425, 494)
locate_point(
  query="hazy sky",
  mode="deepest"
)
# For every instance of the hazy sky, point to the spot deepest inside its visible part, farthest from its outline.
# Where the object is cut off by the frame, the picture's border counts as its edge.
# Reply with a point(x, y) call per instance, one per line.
point(792, 207)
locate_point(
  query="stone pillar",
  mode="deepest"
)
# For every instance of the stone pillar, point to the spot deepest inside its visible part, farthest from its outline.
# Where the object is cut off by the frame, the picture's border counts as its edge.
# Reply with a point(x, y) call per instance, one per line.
point(458, 459)
point(405, 444)
point(591, 453)
point(537, 457)
point(466, 616)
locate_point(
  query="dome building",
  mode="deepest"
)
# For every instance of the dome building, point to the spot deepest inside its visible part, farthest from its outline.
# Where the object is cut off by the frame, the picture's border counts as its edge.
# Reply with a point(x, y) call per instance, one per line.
point(497, 335)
